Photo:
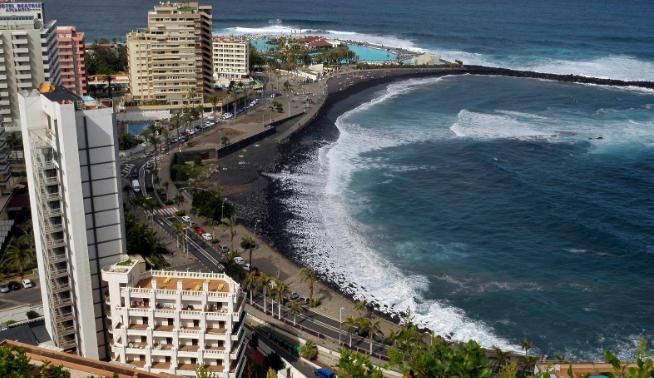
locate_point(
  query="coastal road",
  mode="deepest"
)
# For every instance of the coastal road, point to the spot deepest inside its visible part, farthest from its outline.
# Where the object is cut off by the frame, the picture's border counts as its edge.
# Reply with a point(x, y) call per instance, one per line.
point(318, 325)
point(309, 321)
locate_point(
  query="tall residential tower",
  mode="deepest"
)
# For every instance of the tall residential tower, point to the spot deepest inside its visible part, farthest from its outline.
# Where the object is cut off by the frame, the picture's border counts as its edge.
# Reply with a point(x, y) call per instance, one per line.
point(72, 62)
point(71, 158)
point(28, 57)
point(170, 62)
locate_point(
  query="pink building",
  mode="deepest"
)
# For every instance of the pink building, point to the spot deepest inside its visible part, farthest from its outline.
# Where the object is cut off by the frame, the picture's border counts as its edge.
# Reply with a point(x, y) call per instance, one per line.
point(70, 47)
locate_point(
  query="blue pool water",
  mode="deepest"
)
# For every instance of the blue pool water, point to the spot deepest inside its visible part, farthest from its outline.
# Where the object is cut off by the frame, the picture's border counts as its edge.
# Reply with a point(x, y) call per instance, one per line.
point(261, 45)
point(371, 54)
point(137, 128)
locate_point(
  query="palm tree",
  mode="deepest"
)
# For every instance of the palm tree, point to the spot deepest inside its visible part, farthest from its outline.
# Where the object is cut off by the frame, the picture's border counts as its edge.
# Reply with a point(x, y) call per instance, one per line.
point(308, 275)
point(251, 283)
point(296, 308)
point(180, 232)
point(264, 282)
point(350, 325)
point(21, 254)
point(108, 78)
point(213, 99)
point(281, 291)
point(231, 223)
point(177, 121)
point(373, 329)
point(248, 244)
point(526, 345)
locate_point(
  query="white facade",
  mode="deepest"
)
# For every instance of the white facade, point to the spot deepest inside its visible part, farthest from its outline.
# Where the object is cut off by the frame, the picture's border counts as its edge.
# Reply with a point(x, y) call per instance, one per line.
point(71, 159)
point(173, 322)
point(28, 54)
point(231, 60)
point(28, 57)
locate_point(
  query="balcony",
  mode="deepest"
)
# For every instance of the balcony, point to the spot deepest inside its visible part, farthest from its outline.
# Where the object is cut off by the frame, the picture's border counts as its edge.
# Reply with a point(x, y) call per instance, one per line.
point(164, 328)
point(137, 363)
point(189, 348)
point(162, 365)
point(216, 331)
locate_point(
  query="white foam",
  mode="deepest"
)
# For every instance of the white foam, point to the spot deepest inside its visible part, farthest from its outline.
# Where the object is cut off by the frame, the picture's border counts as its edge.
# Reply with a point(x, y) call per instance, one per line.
point(281, 29)
point(330, 240)
point(610, 136)
point(620, 67)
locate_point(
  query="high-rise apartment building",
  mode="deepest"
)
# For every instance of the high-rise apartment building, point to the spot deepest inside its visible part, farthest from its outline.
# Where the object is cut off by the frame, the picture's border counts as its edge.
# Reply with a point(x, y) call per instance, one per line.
point(29, 54)
point(170, 62)
point(70, 48)
point(71, 158)
point(28, 57)
point(231, 59)
point(173, 322)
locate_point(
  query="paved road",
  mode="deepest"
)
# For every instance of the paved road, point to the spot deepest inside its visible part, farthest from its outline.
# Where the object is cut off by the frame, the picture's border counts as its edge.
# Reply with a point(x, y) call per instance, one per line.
point(320, 326)
point(20, 297)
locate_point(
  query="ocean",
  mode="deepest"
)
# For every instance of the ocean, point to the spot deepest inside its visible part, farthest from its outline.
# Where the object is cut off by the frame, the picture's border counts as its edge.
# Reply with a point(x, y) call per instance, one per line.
point(495, 208)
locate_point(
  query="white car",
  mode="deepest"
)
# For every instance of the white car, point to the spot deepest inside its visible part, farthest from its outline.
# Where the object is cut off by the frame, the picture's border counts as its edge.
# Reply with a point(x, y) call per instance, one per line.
point(224, 248)
point(227, 115)
point(239, 260)
point(246, 267)
point(187, 219)
point(207, 236)
point(27, 283)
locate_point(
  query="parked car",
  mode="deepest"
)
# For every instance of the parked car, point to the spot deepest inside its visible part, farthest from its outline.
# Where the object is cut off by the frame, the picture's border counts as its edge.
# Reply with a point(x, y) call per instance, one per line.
point(246, 267)
point(207, 236)
point(13, 285)
point(239, 260)
point(27, 283)
point(199, 230)
point(4, 288)
point(224, 248)
point(228, 115)
point(187, 219)
point(325, 373)
point(294, 296)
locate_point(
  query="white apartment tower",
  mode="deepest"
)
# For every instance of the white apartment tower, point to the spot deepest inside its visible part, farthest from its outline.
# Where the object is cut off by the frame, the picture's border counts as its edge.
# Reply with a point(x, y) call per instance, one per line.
point(231, 59)
point(28, 57)
point(71, 159)
point(170, 61)
point(172, 322)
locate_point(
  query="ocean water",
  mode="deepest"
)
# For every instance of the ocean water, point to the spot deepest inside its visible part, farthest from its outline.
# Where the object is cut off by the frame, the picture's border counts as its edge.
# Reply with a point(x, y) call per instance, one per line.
point(599, 38)
point(496, 209)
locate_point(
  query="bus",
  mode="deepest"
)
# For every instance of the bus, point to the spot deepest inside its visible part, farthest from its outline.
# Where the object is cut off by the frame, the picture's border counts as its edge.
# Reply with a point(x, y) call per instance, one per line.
point(136, 186)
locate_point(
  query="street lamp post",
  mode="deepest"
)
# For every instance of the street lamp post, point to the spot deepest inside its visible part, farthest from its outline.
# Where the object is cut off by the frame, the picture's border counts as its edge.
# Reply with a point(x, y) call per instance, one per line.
point(340, 324)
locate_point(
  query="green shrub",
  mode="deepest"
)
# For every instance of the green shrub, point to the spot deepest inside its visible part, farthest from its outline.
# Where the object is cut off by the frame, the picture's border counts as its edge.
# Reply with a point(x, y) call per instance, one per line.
point(309, 350)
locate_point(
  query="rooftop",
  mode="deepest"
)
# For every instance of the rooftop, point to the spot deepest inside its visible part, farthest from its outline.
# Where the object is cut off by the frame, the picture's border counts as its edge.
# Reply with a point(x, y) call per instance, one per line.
point(229, 39)
point(169, 282)
point(78, 366)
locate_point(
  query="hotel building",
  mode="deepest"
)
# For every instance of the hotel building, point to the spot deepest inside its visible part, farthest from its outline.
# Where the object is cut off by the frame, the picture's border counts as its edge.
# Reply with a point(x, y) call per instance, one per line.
point(170, 61)
point(70, 48)
point(27, 58)
point(173, 322)
point(71, 158)
point(231, 60)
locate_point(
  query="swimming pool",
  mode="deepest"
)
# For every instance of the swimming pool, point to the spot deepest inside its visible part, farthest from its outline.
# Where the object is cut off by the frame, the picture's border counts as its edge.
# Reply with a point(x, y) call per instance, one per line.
point(137, 128)
point(371, 54)
point(261, 45)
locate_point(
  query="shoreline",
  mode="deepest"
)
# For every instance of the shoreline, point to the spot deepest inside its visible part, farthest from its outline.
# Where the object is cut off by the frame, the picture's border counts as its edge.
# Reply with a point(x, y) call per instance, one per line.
point(321, 130)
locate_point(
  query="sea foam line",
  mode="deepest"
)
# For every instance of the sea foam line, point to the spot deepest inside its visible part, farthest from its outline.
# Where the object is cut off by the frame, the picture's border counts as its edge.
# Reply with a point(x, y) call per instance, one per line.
point(328, 238)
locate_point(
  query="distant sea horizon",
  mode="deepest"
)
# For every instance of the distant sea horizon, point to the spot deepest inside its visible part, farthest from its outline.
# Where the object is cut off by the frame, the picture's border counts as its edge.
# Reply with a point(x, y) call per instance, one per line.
point(496, 209)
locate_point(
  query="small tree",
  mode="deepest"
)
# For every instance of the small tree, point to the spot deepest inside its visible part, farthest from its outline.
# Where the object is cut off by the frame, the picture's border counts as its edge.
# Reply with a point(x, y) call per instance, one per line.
point(248, 244)
point(31, 314)
point(308, 275)
point(309, 350)
point(204, 372)
point(356, 365)
point(50, 371)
